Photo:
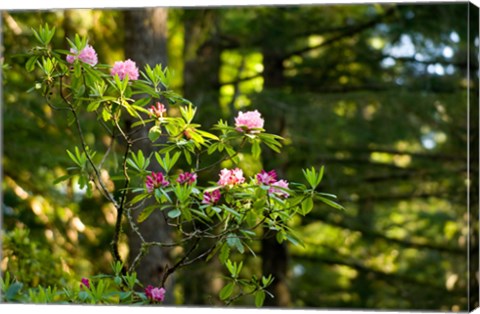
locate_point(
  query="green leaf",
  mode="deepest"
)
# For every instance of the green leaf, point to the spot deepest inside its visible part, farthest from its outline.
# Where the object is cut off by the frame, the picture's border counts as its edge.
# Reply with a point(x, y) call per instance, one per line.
point(307, 206)
point(256, 150)
point(234, 241)
point(208, 135)
point(119, 83)
point(327, 194)
point(330, 202)
point(62, 178)
point(227, 291)
point(13, 290)
point(74, 159)
point(37, 36)
point(213, 252)
point(174, 213)
point(154, 133)
point(320, 176)
point(224, 253)
point(141, 102)
point(83, 295)
point(174, 159)
point(125, 295)
point(146, 212)
point(30, 65)
point(93, 105)
point(294, 240)
point(138, 198)
point(141, 159)
point(117, 280)
point(106, 115)
point(141, 122)
point(294, 201)
point(233, 212)
point(212, 148)
point(259, 298)
point(188, 156)
point(266, 281)
point(280, 236)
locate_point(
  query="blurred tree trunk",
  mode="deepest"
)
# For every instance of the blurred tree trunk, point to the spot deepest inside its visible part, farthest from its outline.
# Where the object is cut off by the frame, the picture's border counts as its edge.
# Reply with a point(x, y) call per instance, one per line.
point(201, 86)
point(202, 52)
point(146, 43)
point(274, 255)
point(362, 282)
point(68, 24)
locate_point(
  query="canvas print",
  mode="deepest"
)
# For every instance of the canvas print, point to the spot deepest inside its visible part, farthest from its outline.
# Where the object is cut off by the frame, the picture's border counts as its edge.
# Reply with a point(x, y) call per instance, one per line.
point(319, 156)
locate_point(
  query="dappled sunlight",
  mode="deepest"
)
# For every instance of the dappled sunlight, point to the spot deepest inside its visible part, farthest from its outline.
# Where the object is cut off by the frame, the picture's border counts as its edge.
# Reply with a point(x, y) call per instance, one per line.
point(375, 93)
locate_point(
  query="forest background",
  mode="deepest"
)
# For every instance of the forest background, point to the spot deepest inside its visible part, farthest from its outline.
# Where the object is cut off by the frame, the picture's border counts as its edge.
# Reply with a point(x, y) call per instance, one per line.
point(379, 94)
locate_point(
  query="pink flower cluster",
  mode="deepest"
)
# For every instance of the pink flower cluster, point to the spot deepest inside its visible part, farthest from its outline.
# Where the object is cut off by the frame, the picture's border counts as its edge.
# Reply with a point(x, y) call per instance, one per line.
point(187, 177)
point(124, 68)
point(267, 178)
point(279, 192)
point(231, 177)
point(85, 282)
point(211, 198)
point(158, 110)
point(155, 180)
point(86, 55)
point(249, 120)
point(154, 293)
point(270, 178)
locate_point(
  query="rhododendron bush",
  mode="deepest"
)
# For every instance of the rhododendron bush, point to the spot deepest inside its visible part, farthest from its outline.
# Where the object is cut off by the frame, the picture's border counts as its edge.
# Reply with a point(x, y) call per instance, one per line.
point(231, 208)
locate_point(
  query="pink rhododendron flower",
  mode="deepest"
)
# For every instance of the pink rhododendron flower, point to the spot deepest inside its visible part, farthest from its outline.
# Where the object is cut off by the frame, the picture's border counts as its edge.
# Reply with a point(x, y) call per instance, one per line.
point(231, 177)
point(154, 293)
point(158, 110)
point(211, 198)
point(155, 180)
point(187, 177)
point(85, 282)
point(86, 55)
point(250, 120)
point(279, 192)
point(124, 68)
point(267, 178)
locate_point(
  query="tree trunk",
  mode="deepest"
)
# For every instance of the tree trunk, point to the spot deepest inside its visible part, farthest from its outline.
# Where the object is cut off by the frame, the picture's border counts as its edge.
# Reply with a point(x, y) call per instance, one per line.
point(274, 255)
point(146, 43)
point(201, 80)
point(202, 63)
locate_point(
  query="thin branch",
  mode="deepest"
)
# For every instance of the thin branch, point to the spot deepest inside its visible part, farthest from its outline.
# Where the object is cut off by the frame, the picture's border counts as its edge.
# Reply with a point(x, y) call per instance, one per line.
point(104, 125)
point(171, 270)
point(109, 149)
point(84, 148)
point(120, 209)
point(47, 98)
point(381, 275)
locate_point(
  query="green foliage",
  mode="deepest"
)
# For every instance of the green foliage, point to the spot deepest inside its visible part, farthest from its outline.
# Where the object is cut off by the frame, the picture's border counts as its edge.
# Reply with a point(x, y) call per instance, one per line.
point(101, 289)
point(31, 263)
point(246, 206)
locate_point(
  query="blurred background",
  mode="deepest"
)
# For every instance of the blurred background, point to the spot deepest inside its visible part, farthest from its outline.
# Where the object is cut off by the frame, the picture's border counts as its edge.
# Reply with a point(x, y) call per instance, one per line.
point(379, 94)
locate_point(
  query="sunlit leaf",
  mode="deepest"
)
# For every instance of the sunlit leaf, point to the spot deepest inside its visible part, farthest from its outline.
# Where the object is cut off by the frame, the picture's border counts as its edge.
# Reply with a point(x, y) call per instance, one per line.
point(227, 291)
point(259, 298)
point(174, 213)
point(146, 212)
